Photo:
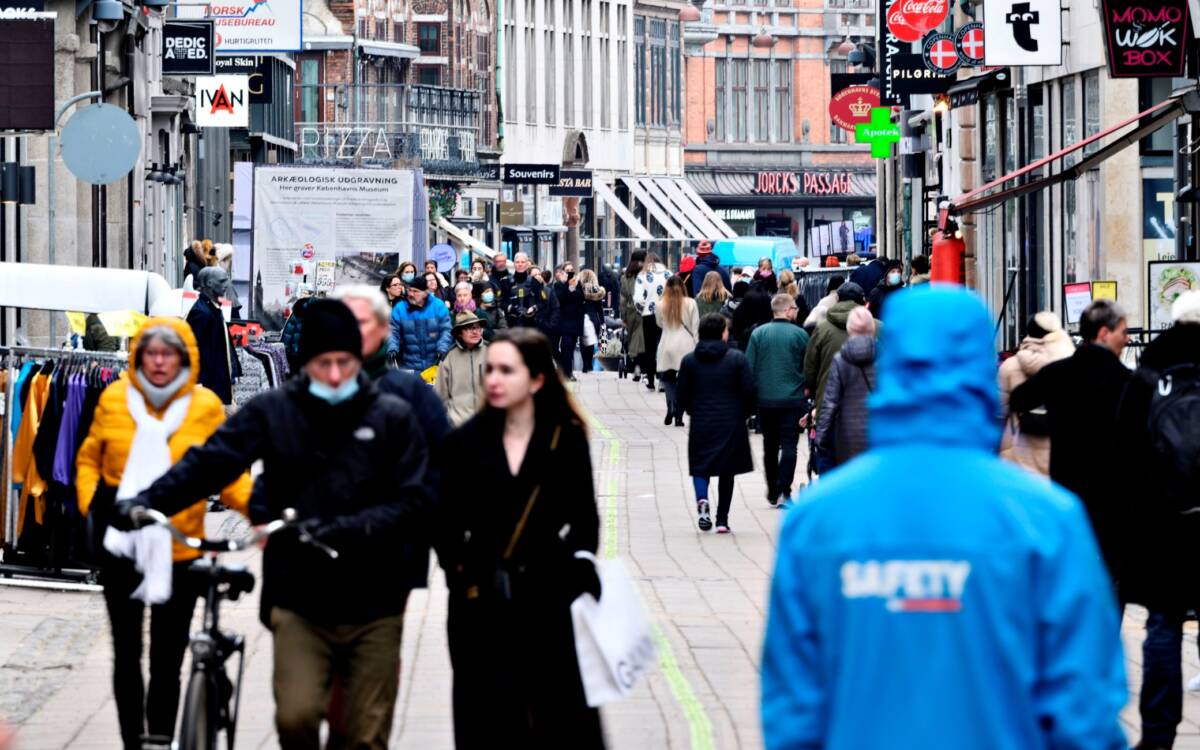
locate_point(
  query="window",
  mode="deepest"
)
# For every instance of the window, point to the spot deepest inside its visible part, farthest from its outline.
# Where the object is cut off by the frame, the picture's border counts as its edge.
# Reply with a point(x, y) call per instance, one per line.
point(639, 69)
point(605, 66)
point(531, 78)
point(741, 107)
point(722, 74)
point(991, 140)
point(585, 11)
point(783, 101)
point(675, 109)
point(398, 32)
point(762, 100)
point(310, 91)
point(837, 134)
point(658, 72)
point(429, 38)
point(568, 62)
point(509, 69)
point(622, 68)
point(1070, 134)
point(549, 61)
point(1070, 120)
point(429, 75)
point(1091, 110)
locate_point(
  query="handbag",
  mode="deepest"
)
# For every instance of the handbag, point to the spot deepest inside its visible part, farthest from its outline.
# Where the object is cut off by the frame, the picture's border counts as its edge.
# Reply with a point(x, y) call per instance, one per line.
point(589, 332)
point(614, 639)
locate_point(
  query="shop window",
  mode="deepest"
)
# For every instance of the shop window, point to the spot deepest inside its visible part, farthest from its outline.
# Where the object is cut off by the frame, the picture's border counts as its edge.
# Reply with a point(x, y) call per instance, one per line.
point(1091, 110)
point(722, 76)
point(429, 76)
point(429, 38)
point(1152, 91)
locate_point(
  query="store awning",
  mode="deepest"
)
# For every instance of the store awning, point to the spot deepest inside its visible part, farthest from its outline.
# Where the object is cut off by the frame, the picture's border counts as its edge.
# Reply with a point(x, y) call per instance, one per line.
point(619, 208)
point(1147, 122)
point(465, 239)
point(968, 90)
point(678, 208)
point(686, 188)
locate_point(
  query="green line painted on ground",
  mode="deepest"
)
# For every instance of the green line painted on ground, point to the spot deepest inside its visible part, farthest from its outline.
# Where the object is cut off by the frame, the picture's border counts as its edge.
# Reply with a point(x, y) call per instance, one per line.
point(699, 727)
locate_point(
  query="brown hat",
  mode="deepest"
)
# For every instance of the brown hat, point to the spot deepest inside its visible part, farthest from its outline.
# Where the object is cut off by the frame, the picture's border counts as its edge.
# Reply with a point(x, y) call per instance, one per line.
point(464, 319)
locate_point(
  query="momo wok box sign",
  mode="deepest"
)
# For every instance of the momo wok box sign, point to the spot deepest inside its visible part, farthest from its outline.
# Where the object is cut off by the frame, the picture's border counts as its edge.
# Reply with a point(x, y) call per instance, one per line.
point(1146, 37)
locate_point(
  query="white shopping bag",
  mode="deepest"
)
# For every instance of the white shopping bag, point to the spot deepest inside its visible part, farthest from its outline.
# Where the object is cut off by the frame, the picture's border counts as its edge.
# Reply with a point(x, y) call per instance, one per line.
point(589, 332)
point(613, 637)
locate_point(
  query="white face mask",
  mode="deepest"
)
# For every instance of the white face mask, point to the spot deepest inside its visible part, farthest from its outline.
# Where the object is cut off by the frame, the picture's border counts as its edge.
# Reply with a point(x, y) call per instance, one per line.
point(893, 279)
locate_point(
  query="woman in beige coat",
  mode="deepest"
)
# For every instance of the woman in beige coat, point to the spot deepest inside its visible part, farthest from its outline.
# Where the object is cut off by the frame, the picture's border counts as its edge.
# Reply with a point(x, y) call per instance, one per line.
point(679, 318)
point(1045, 342)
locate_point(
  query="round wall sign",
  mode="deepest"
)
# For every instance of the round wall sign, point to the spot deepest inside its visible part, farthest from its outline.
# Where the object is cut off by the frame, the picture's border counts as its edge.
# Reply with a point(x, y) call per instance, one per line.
point(922, 16)
point(941, 54)
point(969, 42)
point(852, 106)
point(100, 144)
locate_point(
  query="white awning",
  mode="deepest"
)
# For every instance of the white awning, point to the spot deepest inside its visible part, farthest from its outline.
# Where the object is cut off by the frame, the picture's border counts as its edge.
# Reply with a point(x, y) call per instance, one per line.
point(660, 215)
point(619, 208)
point(686, 188)
point(700, 214)
point(465, 239)
point(678, 208)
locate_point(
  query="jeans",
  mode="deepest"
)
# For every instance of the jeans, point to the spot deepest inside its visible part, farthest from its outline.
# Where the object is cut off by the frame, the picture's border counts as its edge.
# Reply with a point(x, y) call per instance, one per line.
point(1161, 701)
point(724, 494)
point(670, 381)
point(306, 656)
point(780, 429)
point(141, 711)
point(651, 334)
point(566, 353)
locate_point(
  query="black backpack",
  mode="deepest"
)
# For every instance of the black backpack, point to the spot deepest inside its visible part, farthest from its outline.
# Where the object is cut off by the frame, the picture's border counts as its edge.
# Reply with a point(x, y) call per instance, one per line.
point(1173, 422)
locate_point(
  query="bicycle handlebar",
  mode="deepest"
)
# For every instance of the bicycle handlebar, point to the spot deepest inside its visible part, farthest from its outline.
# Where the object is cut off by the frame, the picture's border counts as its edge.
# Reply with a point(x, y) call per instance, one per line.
point(144, 516)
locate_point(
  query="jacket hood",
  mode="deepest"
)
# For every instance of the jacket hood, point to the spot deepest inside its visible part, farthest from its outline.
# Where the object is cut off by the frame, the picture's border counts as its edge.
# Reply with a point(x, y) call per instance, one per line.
point(1035, 354)
point(936, 371)
point(180, 327)
point(840, 313)
point(859, 350)
point(711, 350)
point(708, 259)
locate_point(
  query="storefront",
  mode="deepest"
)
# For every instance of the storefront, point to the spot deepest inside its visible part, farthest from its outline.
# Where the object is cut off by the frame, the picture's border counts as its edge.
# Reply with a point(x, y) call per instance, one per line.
point(823, 211)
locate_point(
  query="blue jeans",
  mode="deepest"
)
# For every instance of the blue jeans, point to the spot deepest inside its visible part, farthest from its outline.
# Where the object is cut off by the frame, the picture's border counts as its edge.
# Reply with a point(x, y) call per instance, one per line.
point(1161, 701)
point(724, 493)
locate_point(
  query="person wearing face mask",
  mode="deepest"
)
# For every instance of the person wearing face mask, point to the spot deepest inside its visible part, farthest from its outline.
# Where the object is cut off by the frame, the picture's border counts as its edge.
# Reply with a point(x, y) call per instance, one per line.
point(144, 422)
point(408, 272)
point(218, 361)
point(569, 294)
point(487, 306)
point(892, 282)
point(352, 461)
point(765, 275)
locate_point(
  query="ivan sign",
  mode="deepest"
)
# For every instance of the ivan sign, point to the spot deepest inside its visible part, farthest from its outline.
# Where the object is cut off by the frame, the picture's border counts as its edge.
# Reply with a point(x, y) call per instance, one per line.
point(1146, 37)
point(223, 101)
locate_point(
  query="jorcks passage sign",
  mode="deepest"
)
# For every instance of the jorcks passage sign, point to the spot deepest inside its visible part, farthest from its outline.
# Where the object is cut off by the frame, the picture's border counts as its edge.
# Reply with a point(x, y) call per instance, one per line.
point(1146, 37)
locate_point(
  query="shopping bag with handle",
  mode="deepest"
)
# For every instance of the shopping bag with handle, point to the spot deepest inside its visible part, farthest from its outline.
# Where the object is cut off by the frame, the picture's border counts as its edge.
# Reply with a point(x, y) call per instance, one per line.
point(614, 640)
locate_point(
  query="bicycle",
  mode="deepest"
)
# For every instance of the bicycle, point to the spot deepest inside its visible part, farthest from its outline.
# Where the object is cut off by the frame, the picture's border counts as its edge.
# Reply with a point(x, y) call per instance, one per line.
point(212, 700)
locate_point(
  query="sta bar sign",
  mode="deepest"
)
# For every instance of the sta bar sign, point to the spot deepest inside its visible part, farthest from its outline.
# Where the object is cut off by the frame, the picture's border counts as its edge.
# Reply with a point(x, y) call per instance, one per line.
point(187, 48)
point(1146, 38)
point(573, 183)
point(808, 183)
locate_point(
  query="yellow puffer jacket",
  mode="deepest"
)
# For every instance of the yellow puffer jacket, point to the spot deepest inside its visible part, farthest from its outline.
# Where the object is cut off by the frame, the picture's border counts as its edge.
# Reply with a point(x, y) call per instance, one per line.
point(103, 453)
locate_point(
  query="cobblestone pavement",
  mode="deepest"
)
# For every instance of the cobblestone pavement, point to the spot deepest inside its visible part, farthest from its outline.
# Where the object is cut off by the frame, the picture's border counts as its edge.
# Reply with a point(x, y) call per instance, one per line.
point(706, 592)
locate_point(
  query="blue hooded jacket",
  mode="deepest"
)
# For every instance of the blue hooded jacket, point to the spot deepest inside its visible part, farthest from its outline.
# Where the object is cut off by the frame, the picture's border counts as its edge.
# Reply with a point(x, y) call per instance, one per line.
point(928, 595)
point(420, 336)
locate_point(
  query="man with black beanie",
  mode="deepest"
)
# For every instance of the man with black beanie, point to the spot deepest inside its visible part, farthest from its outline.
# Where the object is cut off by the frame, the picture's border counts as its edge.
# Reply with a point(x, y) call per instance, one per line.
point(351, 460)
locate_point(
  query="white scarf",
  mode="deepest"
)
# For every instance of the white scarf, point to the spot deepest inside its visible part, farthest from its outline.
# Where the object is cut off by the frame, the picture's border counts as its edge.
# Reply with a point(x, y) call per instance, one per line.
point(149, 458)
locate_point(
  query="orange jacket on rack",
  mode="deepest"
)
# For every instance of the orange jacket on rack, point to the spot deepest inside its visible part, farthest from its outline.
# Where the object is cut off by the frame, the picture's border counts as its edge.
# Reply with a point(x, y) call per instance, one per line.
point(103, 453)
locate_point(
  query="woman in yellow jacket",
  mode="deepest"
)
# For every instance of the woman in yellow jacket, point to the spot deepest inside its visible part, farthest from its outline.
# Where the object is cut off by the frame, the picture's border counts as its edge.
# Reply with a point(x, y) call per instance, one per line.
point(160, 385)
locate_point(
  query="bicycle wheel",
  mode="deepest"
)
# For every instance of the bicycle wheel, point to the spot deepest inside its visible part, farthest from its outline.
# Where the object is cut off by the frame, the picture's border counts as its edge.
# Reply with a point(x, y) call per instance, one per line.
point(198, 731)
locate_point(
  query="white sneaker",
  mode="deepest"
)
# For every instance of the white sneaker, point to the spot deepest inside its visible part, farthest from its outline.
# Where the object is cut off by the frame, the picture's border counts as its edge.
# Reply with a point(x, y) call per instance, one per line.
point(1193, 685)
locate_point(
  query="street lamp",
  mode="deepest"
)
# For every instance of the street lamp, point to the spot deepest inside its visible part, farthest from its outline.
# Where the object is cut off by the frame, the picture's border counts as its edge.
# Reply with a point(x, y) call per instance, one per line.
point(763, 40)
point(690, 14)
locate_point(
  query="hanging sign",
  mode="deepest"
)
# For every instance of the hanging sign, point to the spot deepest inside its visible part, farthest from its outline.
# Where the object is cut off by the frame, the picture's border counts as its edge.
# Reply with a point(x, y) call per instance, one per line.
point(1104, 290)
point(250, 25)
point(890, 48)
point(187, 48)
point(1023, 32)
point(852, 106)
point(1145, 37)
point(257, 68)
point(880, 132)
point(223, 101)
point(910, 20)
point(941, 54)
point(969, 42)
point(839, 81)
point(531, 174)
point(573, 182)
point(10, 9)
point(909, 74)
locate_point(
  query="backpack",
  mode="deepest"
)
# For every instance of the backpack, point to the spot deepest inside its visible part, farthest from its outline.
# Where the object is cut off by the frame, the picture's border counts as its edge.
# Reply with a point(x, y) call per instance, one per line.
point(1173, 415)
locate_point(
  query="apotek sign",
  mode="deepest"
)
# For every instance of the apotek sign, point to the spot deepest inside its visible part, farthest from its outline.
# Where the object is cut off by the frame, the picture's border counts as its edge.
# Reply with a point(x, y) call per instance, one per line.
point(807, 183)
point(1146, 37)
point(187, 48)
point(223, 101)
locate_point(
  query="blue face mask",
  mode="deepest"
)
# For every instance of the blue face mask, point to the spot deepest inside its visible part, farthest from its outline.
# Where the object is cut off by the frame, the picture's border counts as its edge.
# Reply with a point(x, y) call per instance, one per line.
point(333, 396)
point(407, 278)
point(488, 298)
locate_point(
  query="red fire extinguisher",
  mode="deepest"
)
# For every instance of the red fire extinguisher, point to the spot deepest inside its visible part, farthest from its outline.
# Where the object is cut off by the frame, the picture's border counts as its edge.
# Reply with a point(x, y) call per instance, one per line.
point(946, 263)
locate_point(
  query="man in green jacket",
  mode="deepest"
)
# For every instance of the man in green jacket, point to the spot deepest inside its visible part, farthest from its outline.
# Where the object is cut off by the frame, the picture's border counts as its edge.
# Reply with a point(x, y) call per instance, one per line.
point(828, 338)
point(776, 356)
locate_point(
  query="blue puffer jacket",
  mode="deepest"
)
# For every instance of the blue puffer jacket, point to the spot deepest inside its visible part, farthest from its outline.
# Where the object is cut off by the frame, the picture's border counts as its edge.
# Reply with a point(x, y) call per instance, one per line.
point(420, 336)
point(960, 605)
point(704, 264)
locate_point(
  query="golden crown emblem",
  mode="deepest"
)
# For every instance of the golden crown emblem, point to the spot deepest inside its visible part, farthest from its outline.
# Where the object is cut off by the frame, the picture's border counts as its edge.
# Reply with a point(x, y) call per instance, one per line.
point(860, 108)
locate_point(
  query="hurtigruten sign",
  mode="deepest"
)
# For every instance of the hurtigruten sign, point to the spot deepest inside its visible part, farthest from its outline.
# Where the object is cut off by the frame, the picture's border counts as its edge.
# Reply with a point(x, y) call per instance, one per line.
point(806, 183)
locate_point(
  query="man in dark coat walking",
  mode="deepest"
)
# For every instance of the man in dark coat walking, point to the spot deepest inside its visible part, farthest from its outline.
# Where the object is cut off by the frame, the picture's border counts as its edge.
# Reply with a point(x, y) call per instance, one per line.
point(868, 275)
point(705, 262)
point(717, 389)
point(568, 293)
point(218, 360)
point(1081, 395)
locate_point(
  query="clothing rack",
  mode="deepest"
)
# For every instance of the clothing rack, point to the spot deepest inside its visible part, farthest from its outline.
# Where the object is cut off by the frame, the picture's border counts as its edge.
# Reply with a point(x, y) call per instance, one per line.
point(10, 358)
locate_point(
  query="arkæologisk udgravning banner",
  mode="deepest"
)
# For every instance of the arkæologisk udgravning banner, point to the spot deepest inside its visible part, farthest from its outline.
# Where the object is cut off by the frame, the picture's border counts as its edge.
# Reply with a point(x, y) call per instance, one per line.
point(1146, 37)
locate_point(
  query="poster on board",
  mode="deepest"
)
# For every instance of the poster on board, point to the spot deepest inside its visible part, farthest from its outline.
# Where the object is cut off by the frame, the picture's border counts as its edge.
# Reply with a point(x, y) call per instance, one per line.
point(1166, 280)
point(360, 218)
point(1076, 297)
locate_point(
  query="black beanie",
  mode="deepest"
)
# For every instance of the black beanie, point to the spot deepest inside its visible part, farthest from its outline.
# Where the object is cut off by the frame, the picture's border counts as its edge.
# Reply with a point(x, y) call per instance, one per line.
point(328, 326)
point(851, 291)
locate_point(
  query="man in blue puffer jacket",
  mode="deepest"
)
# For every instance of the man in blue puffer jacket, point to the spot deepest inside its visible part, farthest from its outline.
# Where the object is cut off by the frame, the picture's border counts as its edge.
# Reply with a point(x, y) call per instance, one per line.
point(963, 605)
point(420, 331)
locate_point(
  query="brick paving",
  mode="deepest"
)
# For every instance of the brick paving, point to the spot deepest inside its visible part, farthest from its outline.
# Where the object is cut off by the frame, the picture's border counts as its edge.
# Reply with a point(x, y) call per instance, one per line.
point(706, 592)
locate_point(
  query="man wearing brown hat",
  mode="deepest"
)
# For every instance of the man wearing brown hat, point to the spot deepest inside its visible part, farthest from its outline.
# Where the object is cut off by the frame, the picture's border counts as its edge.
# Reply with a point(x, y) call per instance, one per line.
point(460, 376)
point(351, 460)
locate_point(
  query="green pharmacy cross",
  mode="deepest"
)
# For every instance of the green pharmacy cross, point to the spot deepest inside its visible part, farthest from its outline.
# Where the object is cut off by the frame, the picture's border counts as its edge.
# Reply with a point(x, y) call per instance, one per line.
point(880, 132)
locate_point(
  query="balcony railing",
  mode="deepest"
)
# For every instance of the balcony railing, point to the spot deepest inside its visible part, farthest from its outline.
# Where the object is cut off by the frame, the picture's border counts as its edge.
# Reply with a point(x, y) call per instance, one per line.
point(435, 127)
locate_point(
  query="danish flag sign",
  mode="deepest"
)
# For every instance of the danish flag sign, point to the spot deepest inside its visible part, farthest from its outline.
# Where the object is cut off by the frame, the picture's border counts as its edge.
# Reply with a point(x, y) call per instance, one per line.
point(969, 42)
point(941, 54)
point(909, 20)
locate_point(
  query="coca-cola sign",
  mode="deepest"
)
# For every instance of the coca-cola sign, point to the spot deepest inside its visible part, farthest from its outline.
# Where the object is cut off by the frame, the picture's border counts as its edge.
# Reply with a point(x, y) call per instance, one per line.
point(1146, 37)
point(910, 20)
point(853, 105)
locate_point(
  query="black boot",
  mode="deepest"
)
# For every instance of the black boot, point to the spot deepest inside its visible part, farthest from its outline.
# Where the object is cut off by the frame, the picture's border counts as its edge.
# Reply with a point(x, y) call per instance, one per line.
point(679, 419)
point(669, 417)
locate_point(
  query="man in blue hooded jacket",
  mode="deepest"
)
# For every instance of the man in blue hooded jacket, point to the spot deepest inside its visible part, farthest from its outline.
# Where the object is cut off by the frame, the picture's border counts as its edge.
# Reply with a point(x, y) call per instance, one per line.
point(961, 606)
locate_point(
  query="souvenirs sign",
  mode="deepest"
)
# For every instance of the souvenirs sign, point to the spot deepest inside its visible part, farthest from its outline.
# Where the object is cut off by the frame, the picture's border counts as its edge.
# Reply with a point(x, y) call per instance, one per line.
point(1146, 37)
point(852, 106)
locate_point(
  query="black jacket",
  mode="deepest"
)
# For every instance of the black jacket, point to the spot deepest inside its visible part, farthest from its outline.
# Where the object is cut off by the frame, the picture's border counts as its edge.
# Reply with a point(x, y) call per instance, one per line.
point(1081, 395)
point(717, 388)
point(359, 466)
point(570, 308)
point(754, 310)
point(878, 297)
point(868, 275)
point(1157, 540)
point(216, 350)
point(612, 288)
point(705, 264)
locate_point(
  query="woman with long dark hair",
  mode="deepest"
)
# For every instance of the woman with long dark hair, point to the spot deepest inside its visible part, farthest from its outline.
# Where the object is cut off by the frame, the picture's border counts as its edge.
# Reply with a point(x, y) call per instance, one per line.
point(635, 342)
point(509, 555)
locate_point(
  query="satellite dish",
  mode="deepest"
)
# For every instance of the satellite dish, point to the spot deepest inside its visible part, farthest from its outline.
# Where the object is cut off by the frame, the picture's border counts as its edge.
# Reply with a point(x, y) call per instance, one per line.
point(100, 144)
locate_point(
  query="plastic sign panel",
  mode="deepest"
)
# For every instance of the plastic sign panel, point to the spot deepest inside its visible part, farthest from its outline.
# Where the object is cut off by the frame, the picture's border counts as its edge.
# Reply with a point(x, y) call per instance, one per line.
point(910, 20)
point(187, 48)
point(1146, 37)
point(1023, 32)
point(852, 106)
point(941, 54)
point(251, 25)
point(880, 132)
point(1076, 297)
point(969, 41)
point(223, 101)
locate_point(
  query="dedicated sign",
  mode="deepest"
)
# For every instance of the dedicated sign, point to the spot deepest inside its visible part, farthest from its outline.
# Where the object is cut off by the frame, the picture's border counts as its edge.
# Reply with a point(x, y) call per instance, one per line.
point(531, 174)
point(187, 48)
point(223, 101)
point(1145, 37)
point(1023, 32)
point(251, 25)
point(852, 106)
point(573, 183)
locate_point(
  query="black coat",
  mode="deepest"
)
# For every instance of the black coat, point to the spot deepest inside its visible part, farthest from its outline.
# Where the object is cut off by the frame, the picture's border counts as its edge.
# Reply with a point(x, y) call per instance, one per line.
point(754, 310)
point(717, 388)
point(868, 275)
point(516, 677)
point(1081, 395)
point(1158, 542)
point(216, 349)
point(570, 308)
point(359, 466)
point(612, 288)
